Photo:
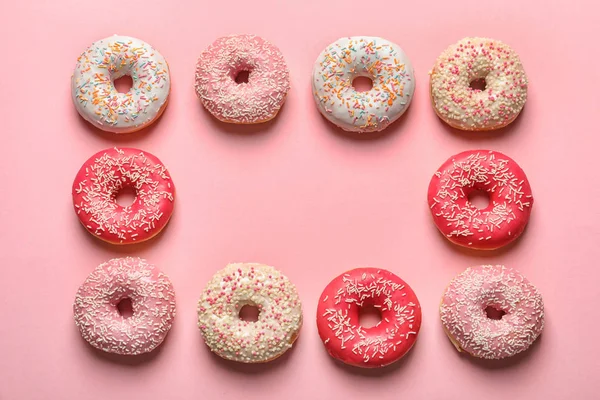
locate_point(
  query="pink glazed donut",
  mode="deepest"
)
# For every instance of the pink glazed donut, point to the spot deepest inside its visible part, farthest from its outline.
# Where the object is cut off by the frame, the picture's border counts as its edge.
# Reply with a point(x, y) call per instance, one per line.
point(152, 299)
point(102, 177)
point(252, 102)
point(494, 226)
point(464, 315)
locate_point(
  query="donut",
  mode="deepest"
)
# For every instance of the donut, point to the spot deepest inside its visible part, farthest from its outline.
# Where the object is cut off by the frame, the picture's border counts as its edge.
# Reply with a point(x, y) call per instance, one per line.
point(94, 93)
point(102, 177)
point(255, 101)
point(387, 66)
point(152, 299)
point(253, 284)
point(471, 60)
point(517, 302)
point(338, 318)
point(507, 214)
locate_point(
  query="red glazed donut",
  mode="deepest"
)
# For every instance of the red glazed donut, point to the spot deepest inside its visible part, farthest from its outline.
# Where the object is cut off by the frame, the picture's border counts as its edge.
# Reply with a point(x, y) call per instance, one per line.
point(338, 318)
point(100, 179)
point(507, 214)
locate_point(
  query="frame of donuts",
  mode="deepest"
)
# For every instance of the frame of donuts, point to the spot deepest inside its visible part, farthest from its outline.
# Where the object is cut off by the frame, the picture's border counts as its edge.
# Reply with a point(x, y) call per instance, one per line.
point(157, 118)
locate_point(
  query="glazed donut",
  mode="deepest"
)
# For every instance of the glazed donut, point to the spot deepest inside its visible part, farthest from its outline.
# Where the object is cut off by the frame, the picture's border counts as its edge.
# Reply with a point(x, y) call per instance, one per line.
point(152, 299)
point(101, 178)
point(252, 102)
point(475, 59)
point(94, 93)
point(466, 322)
point(279, 319)
point(507, 214)
point(338, 318)
point(378, 59)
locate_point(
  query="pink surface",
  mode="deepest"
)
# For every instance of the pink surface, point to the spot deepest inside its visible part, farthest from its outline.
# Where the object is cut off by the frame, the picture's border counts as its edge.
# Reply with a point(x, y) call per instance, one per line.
point(296, 194)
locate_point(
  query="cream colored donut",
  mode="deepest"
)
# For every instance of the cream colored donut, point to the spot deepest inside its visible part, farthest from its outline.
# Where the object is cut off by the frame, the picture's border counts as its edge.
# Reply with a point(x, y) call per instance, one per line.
point(238, 285)
point(383, 62)
point(471, 59)
point(94, 93)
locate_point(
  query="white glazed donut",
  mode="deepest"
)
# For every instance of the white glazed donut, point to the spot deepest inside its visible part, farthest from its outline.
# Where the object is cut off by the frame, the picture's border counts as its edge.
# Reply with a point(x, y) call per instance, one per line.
point(238, 285)
point(94, 93)
point(378, 59)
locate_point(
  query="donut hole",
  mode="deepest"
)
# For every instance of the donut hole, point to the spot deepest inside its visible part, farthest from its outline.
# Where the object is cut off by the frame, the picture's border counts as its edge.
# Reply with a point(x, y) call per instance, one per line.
point(125, 196)
point(479, 199)
point(369, 316)
point(249, 313)
point(125, 308)
point(123, 84)
point(362, 83)
point(494, 313)
point(478, 84)
point(242, 77)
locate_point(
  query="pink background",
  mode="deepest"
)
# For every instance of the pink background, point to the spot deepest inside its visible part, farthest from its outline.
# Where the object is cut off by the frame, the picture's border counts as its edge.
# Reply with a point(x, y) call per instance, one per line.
point(296, 194)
